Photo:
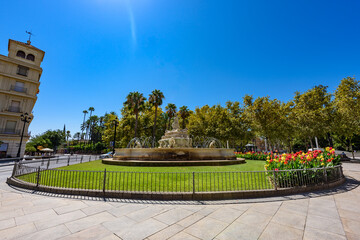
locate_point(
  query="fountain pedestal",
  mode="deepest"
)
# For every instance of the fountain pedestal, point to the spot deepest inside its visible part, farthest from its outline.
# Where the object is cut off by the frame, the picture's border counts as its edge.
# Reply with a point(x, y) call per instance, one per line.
point(175, 149)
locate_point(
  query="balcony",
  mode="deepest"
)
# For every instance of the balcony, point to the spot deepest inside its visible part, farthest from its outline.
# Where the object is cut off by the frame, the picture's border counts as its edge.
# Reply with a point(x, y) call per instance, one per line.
point(14, 109)
point(18, 89)
point(9, 131)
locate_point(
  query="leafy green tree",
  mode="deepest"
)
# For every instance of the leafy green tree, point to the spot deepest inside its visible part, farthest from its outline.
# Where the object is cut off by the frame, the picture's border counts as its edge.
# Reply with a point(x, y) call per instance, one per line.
point(156, 99)
point(135, 102)
point(77, 136)
point(109, 128)
point(311, 111)
point(49, 139)
point(265, 117)
point(225, 124)
point(347, 105)
point(170, 111)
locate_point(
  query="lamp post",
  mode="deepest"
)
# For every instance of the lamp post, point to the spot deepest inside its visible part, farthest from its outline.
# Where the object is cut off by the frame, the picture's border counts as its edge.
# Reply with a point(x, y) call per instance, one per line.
point(26, 119)
point(115, 123)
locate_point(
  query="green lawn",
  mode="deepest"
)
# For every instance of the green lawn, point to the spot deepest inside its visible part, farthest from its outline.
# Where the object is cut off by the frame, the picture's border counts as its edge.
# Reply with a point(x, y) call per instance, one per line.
point(250, 165)
point(156, 179)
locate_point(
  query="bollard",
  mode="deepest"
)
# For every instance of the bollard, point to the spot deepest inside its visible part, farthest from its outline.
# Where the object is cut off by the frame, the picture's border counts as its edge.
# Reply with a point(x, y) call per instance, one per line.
point(68, 163)
point(48, 164)
point(57, 160)
point(89, 158)
point(81, 159)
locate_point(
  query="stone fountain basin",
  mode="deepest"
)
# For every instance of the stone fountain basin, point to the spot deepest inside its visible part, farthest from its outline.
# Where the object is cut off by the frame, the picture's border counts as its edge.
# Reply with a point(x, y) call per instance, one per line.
point(174, 154)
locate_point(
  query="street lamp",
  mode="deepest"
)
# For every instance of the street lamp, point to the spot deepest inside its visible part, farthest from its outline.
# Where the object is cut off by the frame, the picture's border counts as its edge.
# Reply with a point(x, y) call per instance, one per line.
point(115, 121)
point(26, 119)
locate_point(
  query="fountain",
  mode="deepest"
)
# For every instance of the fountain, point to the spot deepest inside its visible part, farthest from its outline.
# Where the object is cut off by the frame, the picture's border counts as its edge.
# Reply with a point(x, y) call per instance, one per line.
point(175, 149)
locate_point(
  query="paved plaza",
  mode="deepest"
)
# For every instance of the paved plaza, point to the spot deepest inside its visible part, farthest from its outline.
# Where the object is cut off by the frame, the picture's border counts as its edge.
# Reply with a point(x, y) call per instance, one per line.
point(323, 215)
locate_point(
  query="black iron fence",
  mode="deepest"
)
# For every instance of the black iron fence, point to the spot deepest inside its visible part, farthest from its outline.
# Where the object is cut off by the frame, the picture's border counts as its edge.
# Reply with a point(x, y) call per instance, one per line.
point(173, 182)
point(49, 161)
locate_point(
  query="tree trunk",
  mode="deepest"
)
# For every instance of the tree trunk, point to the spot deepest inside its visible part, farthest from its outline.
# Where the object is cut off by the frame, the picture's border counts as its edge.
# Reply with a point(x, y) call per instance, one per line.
point(311, 143)
point(169, 123)
point(183, 123)
point(136, 123)
point(329, 139)
point(352, 150)
point(154, 128)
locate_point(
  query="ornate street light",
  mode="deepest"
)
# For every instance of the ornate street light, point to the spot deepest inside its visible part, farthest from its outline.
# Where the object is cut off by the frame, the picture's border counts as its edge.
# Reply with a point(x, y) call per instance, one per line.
point(26, 119)
point(115, 121)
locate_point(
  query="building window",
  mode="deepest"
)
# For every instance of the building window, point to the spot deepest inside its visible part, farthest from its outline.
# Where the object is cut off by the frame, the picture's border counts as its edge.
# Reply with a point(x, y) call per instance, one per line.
point(22, 70)
point(20, 54)
point(14, 107)
point(10, 127)
point(19, 87)
point(30, 57)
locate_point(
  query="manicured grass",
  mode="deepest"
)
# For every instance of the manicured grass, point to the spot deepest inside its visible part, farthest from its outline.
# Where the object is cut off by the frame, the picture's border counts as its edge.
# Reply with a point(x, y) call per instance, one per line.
point(250, 165)
point(90, 175)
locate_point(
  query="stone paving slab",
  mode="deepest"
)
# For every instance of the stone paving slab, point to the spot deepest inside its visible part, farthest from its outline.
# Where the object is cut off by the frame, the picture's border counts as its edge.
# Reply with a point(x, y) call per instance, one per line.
point(333, 214)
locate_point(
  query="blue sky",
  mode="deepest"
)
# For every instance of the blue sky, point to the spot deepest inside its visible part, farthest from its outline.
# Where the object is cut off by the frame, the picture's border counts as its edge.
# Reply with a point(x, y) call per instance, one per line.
point(197, 52)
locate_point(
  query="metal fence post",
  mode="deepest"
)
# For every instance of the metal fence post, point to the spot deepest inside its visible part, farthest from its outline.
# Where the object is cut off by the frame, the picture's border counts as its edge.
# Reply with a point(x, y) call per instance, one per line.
point(76, 158)
point(104, 186)
point(275, 180)
point(68, 163)
point(57, 160)
point(89, 158)
point(325, 175)
point(193, 180)
point(48, 164)
point(38, 177)
point(81, 159)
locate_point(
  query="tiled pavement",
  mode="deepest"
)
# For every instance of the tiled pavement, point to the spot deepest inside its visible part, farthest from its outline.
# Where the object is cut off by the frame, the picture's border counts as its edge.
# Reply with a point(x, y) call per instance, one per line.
point(324, 215)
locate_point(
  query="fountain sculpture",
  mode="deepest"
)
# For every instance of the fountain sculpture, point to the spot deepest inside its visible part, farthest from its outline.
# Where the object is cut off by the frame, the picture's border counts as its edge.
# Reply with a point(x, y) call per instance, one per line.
point(175, 148)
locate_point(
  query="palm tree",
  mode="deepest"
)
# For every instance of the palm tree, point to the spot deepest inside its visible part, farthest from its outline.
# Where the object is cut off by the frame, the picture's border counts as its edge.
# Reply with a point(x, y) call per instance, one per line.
point(155, 98)
point(171, 111)
point(82, 129)
point(135, 102)
point(67, 137)
point(91, 109)
point(184, 113)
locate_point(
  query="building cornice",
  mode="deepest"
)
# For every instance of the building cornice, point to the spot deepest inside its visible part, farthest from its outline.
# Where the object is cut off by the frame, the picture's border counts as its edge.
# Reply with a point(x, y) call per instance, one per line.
point(18, 62)
point(18, 94)
point(18, 77)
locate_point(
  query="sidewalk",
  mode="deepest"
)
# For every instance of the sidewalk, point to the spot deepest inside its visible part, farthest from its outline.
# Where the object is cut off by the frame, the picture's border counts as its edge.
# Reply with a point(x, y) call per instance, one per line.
point(323, 215)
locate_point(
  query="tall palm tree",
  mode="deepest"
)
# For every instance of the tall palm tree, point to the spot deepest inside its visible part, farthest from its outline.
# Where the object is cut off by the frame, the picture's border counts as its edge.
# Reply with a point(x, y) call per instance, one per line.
point(82, 129)
point(91, 109)
point(156, 99)
point(67, 137)
point(135, 102)
point(184, 113)
point(171, 111)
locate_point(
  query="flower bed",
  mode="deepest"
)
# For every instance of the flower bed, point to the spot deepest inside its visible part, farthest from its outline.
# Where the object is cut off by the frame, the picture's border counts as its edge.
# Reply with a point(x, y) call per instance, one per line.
point(301, 160)
point(252, 155)
point(298, 162)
